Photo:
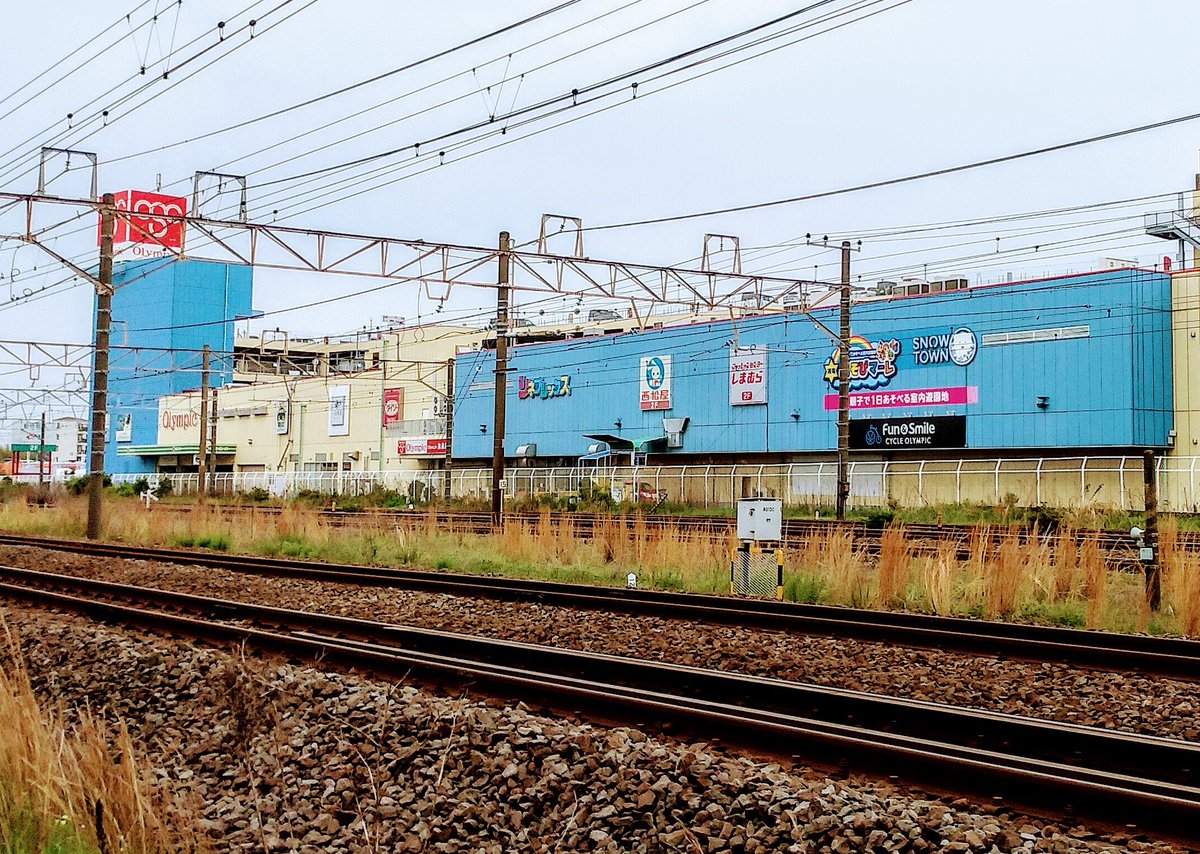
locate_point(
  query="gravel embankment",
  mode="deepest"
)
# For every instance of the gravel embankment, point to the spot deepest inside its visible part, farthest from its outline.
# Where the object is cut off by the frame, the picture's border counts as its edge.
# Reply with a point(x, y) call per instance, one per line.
point(1095, 698)
point(281, 757)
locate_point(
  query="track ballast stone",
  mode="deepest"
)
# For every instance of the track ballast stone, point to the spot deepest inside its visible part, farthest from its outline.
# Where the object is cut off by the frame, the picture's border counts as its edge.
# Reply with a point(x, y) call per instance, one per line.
point(1122, 701)
point(283, 757)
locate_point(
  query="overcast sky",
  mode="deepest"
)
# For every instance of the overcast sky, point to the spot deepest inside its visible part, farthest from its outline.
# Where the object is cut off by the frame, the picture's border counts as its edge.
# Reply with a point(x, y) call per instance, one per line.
point(920, 85)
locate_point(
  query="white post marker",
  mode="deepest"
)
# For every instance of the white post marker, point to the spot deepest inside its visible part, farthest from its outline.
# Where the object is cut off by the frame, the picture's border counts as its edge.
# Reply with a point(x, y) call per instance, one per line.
point(148, 496)
point(631, 580)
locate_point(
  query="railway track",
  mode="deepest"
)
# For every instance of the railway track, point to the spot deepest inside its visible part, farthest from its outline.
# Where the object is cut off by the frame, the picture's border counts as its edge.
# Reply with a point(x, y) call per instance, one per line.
point(1117, 545)
point(1155, 656)
point(1043, 767)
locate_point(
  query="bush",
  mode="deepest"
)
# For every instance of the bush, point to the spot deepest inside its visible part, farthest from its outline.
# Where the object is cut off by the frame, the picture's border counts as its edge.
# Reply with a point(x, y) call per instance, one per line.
point(165, 487)
point(142, 484)
point(256, 493)
point(878, 518)
point(77, 485)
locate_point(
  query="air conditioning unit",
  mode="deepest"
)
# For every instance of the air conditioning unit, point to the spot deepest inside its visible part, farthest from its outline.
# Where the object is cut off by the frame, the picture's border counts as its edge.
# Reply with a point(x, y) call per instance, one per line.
point(440, 406)
point(674, 428)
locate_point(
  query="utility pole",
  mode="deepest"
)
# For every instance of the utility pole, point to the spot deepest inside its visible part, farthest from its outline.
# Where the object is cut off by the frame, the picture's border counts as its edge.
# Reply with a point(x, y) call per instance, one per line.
point(843, 422)
point(42, 457)
point(1153, 568)
point(448, 465)
point(502, 293)
point(104, 291)
point(202, 444)
point(212, 440)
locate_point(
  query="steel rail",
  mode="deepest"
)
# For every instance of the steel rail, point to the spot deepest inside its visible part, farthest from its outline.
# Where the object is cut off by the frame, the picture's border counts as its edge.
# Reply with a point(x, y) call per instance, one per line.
point(1041, 766)
point(925, 537)
point(1174, 658)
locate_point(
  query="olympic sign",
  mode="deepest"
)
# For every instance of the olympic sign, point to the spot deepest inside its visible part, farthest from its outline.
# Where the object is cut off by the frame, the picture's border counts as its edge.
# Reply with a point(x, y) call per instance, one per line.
point(145, 217)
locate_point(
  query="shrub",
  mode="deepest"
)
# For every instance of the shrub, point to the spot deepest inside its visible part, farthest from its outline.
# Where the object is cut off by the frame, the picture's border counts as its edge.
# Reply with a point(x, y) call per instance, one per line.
point(164, 488)
point(76, 485)
point(879, 518)
point(257, 494)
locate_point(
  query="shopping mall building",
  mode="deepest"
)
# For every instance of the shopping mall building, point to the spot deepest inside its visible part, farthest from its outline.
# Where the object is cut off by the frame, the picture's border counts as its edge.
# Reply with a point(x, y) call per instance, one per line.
point(1042, 391)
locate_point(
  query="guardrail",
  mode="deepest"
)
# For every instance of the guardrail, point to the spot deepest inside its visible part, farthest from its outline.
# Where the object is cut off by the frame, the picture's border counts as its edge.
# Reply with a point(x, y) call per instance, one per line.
point(1114, 482)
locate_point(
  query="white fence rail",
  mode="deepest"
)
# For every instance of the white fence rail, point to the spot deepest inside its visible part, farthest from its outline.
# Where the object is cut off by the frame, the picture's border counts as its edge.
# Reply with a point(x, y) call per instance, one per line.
point(1114, 482)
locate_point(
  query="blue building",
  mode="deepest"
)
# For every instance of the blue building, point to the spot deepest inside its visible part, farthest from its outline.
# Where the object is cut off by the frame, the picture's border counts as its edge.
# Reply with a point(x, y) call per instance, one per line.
point(1056, 365)
point(163, 313)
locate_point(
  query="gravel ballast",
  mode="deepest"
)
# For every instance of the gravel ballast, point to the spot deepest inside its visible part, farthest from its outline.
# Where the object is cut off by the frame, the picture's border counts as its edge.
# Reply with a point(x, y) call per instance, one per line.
point(1112, 700)
point(282, 757)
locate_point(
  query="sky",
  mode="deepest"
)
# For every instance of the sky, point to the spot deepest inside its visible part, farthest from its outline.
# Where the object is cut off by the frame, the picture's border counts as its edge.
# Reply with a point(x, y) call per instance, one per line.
point(884, 89)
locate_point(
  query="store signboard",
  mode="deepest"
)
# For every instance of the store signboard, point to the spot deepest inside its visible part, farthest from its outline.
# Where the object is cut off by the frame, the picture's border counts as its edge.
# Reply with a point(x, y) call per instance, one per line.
point(283, 417)
point(655, 382)
point(124, 427)
point(961, 395)
point(147, 223)
point(748, 375)
point(408, 447)
point(902, 434)
point(339, 410)
point(392, 406)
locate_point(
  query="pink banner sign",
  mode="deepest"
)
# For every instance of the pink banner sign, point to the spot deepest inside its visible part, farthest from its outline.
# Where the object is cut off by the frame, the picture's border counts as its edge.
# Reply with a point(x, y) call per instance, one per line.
point(958, 395)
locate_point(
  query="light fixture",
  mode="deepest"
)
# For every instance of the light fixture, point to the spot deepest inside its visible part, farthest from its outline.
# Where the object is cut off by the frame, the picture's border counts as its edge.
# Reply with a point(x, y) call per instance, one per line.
point(482, 428)
point(617, 423)
point(1043, 401)
point(795, 414)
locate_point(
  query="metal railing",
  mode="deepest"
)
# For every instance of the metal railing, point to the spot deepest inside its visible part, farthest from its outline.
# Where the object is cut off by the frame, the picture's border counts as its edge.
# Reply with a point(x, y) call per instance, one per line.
point(1106, 482)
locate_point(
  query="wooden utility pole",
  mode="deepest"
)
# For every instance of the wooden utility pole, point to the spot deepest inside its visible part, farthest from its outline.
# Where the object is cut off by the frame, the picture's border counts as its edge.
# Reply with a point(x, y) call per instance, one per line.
point(1153, 568)
point(448, 465)
point(843, 420)
point(104, 291)
point(42, 457)
point(202, 444)
point(212, 440)
point(502, 294)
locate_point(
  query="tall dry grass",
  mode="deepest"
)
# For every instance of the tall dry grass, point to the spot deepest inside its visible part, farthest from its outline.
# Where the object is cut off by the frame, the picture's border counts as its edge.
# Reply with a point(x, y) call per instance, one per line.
point(1095, 581)
point(895, 564)
point(1003, 577)
point(1064, 566)
point(1005, 572)
point(1181, 590)
point(938, 572)
point(76, 785)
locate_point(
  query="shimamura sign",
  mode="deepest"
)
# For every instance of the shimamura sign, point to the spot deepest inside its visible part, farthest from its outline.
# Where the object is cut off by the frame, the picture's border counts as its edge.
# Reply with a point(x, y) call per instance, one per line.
point(655, 382)
point(748, 375)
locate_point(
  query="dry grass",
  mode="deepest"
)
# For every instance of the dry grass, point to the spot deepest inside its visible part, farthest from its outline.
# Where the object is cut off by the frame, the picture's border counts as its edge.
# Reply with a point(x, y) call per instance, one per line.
point(1005, 573)
point(1095, 580)
point(895, 563)
point(1065, 566)
point(76, 785)
point(937, 578)
point(1181, 590)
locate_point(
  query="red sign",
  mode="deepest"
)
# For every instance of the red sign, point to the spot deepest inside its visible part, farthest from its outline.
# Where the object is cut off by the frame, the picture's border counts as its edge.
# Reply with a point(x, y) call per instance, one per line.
point(421, 446)
point(391, 407)
point(145, 217)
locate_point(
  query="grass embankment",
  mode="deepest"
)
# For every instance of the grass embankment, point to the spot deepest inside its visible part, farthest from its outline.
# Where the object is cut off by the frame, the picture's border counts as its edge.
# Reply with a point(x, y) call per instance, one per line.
point(72, 784)
point(1062, 582)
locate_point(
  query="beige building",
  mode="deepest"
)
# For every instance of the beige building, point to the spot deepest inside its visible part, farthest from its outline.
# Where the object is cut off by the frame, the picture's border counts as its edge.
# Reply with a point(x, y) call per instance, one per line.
point(374, 402)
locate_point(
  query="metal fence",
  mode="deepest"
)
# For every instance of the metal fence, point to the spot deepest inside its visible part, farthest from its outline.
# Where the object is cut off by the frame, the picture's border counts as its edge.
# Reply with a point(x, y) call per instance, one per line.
point(1114, 482)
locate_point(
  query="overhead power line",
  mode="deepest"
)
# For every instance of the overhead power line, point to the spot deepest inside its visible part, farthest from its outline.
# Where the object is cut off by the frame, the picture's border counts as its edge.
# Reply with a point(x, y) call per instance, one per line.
point(919, 176)
point(360, 84)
